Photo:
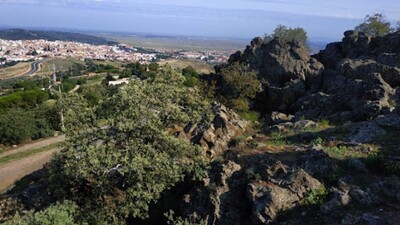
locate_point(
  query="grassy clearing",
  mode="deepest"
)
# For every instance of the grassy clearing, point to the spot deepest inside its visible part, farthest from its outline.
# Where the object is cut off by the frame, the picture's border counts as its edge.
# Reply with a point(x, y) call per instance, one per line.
point(25, 154)
point(60, 64)
point(198, 66)
point(15, 70)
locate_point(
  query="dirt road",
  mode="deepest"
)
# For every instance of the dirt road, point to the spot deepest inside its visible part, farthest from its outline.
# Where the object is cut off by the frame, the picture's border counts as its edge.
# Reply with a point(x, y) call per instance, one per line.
point(34, 145)
point(15, 170)
point(12, 171)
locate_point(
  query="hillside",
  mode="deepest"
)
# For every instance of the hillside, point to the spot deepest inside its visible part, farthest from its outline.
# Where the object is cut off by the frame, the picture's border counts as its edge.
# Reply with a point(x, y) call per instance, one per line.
point(20, 34)
point(274, 136)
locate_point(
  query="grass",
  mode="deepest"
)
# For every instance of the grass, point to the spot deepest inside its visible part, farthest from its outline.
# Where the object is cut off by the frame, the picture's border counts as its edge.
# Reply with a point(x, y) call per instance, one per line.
point(60, 64)
point(15, 70)
point(251, 116)
point(200, 67)
point(316, 196)
point(278, 139)
point(25, 154)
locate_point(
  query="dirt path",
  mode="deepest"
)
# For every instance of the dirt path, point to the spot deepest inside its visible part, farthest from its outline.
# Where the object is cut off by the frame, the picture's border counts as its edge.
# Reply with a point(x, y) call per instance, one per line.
point(15, 170)
point(75, 89)
point(34, 145)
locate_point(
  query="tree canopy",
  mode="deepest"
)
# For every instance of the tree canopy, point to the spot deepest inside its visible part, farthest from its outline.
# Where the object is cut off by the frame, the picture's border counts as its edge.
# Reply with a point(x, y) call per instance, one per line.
point(119, 169)
point(288, 34)
point(374, 25)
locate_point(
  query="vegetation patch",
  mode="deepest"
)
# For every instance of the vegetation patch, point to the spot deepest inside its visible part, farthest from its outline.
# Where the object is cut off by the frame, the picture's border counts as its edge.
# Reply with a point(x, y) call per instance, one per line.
point(24, 154)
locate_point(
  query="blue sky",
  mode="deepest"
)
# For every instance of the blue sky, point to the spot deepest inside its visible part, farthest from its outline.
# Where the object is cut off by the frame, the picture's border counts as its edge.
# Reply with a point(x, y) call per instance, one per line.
point(322, 19)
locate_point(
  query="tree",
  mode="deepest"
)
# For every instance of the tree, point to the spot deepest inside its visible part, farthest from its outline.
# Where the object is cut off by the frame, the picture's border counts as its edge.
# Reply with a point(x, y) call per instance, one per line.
point(398, 26)
point(240, 86)
point(118, 171)
point(288, 34)
point(57, 214)
point(374, 25)
point(191, 76)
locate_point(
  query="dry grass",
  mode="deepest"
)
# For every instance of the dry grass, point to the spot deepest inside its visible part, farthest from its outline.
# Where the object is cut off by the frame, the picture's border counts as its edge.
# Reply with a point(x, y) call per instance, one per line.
point(16, 70)
point(198, 66)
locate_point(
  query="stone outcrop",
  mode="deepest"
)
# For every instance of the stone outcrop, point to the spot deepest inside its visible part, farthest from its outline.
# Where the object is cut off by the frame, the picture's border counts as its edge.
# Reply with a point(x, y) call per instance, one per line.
point(352, 80)
point(215, 136)
point(285, 68)
point(253, 192)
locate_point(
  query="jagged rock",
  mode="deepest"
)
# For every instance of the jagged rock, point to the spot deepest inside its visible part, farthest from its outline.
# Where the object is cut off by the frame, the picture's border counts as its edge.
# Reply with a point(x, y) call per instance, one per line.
point(222, 200)
point(286, 190)
point(361, 197)
point(277, 117)
point(340, 199)
point(364, 132)
point(317, 163)
point(358, 68)
point(285, 68)
point(348, 99)
point(364, 219)
point(357, 165)
point(296, 126)
point(387, 188)
point(251, 193)
point(390, 120)
point(214, 138)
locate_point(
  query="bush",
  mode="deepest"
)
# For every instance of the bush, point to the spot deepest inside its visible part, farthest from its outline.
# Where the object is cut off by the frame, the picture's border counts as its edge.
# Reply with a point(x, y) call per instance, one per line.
point(23, 99)
point(19, 125)
point(138, 159)
point(374, 25)
point(288, 34)
point(58, 214)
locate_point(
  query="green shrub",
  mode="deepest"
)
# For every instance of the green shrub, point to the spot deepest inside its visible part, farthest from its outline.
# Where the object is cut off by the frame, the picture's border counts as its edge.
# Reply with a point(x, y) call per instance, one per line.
point(316, 196)
point(58, 214)
point(277, 138)
point(139, 159)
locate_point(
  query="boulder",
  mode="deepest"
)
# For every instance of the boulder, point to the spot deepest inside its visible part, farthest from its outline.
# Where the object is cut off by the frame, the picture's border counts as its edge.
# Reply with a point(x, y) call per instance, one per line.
point(342, 98)
point(278, 117)
point(215, 136)
point(285, 68)
point(285, 190)
point(364, 132)
point(339, 200)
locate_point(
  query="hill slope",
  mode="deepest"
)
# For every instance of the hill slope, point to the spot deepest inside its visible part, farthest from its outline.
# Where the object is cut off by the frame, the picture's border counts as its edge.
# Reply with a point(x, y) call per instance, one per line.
point(20, 34)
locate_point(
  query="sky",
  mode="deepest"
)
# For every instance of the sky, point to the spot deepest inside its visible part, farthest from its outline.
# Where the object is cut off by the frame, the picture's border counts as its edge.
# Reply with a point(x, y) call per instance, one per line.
point(322, 19)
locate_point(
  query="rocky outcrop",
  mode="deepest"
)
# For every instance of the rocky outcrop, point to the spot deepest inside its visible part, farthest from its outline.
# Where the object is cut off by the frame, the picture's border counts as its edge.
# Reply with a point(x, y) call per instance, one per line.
point(283, 188)
point(352, 80)
point(285, 68)
point(253, 192)
point(343, 98)
point(215, 136)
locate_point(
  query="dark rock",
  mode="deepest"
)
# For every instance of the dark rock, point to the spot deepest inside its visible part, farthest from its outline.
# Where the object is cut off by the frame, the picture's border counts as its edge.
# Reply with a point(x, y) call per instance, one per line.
point(364, 219)
point(357, 165)
point(284, 190)
point(364, 132)
point(215, 137)
point(339, 200)
point(361, 197)
point(277, 117)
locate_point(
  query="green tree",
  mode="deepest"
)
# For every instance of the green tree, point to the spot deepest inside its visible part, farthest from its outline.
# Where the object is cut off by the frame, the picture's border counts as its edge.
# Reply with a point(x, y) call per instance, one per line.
point(240, 86)
point(288, 34)
point(191, 76)
point(374, 25)
point(16, 126)
point(118, 171)
point(57, 214)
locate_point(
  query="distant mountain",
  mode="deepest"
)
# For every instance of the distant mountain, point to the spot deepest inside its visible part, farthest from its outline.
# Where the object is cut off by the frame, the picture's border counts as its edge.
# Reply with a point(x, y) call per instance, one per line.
point(21, 34)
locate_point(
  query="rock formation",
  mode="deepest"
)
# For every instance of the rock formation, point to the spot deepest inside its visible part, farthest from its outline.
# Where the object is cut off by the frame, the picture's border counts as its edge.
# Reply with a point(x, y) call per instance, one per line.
point(353, 80)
